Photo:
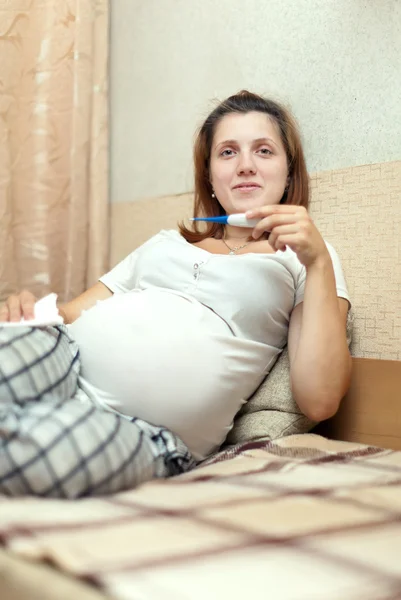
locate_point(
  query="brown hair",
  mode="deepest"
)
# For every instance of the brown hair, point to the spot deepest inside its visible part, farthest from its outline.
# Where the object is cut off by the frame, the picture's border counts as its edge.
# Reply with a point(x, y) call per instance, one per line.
point(207, 206)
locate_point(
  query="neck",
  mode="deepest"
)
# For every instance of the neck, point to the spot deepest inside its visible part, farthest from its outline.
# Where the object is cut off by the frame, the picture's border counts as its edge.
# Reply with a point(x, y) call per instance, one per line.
point(237, 233)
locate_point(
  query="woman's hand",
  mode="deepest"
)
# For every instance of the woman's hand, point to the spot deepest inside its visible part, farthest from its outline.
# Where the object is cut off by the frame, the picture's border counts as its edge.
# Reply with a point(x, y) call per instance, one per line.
point(17, 307)
point(290, 225)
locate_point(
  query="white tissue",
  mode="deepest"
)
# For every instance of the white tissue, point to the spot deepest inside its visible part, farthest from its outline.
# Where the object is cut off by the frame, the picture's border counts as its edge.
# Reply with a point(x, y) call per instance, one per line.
point(45, 311)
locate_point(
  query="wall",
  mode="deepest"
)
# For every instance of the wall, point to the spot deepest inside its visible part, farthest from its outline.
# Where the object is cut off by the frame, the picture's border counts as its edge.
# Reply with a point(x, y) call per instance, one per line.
point(358, 210)
point(336, 63)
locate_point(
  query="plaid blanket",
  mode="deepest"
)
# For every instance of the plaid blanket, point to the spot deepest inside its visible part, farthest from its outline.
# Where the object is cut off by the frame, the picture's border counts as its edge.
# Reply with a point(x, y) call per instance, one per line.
point(55, 441)
point(302, 517)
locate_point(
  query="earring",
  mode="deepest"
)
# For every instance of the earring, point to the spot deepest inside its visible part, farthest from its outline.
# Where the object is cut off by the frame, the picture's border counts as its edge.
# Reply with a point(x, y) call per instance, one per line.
point(213, 195)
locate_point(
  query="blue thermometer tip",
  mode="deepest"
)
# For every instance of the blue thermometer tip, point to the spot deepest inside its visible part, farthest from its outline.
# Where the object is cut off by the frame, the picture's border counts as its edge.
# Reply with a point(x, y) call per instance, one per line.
point(212, 219)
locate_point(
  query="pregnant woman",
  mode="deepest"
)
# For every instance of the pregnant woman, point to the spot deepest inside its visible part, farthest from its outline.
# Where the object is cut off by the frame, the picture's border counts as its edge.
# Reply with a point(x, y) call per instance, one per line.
point(156, 359)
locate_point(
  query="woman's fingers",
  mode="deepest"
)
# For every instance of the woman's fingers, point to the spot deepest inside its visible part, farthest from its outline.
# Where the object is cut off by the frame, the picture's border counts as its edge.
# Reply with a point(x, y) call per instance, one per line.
point(289, 239)
point(27, 300)
point(280, 231)
point(292, 226)
point(271, 209)
point(274, 216)
point(268, 224)
point(4, 313)
point(17, 307)
point(14, 308)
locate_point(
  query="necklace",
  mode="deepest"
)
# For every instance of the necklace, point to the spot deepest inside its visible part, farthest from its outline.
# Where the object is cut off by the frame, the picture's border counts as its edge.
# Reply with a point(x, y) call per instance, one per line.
point(236, 248)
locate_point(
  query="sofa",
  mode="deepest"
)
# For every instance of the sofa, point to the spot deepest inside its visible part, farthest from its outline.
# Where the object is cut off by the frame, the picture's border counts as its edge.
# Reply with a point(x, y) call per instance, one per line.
point(292, 511)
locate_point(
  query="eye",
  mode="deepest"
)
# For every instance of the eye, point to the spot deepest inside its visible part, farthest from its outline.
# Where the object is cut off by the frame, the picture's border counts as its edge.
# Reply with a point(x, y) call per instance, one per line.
point(227, 152)
point(265, 151)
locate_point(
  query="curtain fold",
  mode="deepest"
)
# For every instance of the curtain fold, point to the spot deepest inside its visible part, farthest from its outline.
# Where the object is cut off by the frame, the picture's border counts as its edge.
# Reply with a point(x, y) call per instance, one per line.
point(54, 209)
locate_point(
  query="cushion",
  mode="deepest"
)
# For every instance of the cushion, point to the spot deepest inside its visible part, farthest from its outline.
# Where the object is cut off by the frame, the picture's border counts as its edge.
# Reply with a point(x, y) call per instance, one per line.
point(271, 412)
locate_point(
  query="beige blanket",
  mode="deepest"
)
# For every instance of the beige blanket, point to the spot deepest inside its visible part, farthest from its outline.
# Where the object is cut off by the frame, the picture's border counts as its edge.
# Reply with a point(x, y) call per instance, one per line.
point(298, 518)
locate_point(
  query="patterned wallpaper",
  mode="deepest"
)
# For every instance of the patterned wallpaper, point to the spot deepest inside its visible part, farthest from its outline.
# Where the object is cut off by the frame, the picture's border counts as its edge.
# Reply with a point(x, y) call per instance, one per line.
point(357, 209)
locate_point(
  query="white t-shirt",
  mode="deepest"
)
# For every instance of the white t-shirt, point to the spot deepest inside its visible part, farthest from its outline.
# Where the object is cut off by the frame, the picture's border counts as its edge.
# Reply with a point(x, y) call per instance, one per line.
point(189, 335)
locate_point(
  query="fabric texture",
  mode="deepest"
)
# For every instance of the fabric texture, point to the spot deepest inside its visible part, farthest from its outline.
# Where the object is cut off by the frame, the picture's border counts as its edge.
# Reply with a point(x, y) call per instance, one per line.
point(54, 146)
point(301, 518)
point(54, 441)
point(272, 412)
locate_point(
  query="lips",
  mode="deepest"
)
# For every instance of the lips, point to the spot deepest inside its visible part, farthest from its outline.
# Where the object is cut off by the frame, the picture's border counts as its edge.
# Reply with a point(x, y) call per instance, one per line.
point(247, 186)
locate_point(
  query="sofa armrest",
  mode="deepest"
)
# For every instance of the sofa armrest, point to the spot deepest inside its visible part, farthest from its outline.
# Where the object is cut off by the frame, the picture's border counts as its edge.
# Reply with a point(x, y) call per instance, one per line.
point(370, 413)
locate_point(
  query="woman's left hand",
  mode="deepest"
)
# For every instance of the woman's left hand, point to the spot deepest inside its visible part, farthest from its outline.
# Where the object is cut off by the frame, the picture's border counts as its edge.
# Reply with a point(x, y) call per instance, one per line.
point(290, 225)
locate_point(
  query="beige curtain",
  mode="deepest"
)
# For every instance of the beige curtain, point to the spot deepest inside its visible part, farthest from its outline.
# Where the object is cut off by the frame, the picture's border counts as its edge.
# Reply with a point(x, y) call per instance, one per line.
point(54, 229)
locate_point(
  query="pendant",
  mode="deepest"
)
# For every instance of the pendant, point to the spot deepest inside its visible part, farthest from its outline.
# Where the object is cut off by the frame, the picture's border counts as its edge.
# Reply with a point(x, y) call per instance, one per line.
point(231, 252)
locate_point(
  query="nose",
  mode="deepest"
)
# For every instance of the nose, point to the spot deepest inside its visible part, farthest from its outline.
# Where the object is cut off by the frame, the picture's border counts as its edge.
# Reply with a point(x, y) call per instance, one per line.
point(246, 165)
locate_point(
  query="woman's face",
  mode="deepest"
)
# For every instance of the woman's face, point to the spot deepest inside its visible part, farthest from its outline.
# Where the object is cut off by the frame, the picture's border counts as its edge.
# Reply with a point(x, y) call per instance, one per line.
point(248, 162)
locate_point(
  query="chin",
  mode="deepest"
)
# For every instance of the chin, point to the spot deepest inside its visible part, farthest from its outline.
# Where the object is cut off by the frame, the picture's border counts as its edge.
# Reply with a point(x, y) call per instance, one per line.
point(264, 202)
point(258, 203)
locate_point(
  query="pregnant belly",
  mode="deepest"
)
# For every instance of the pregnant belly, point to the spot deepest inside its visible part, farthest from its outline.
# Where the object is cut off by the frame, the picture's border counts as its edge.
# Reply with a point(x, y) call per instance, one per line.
point(168, 360)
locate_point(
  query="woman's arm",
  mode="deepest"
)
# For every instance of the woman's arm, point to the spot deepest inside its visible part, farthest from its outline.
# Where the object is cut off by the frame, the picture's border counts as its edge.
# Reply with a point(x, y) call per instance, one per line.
point(121, 279)
point(22, 305)
point(73, 309)
point(320, 362)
